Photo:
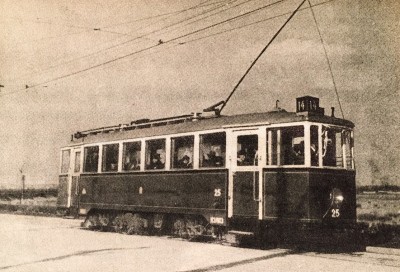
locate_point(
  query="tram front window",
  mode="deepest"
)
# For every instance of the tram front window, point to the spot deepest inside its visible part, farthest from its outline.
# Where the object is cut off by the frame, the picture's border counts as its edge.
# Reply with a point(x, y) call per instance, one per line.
point(314, 146)
point(286, 146)
point(336, 147)
point(293, 145)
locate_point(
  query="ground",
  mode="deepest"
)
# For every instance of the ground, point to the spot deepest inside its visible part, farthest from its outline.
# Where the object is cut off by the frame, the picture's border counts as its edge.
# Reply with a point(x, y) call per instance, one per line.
point(54, 244)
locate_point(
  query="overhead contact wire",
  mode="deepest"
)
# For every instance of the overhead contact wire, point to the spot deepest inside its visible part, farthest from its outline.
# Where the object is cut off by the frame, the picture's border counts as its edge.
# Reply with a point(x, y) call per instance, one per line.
point(327, 60)
point(136, 38)
point(147, 48)
point(250, 24)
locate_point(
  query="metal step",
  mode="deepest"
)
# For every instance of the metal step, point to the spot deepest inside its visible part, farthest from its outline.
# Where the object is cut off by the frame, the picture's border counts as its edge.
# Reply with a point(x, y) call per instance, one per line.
point(239, 232)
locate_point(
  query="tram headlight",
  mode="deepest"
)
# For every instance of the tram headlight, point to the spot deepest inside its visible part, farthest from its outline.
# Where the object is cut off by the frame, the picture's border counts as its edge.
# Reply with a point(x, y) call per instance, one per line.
point(336, 197)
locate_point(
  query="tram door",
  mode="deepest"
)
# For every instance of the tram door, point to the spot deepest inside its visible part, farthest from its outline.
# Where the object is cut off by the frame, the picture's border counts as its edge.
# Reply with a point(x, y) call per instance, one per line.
point(74, 182)
point(246, 173)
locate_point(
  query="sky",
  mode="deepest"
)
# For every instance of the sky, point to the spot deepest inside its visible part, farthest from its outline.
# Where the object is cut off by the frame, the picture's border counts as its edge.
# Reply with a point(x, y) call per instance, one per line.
point(68, 66)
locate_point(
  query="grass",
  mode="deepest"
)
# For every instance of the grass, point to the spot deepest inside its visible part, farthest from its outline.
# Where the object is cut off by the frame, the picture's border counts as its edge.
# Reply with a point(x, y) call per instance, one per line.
point(10, 194)
point(383, 208)
point(31, 210)
point(380, 212)
point(378, 188)
point(42, 202)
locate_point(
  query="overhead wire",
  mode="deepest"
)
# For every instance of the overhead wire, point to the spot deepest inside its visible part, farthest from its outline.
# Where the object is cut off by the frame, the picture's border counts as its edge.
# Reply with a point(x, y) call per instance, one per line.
point(117, 45)
point(183, 20)
point(180, 12)
point(227, 20)
point(147, 48)
point(327, 59)
point(101, 29)
point(151, 47)
point(202, 4)
point(87, 28)
point(218, 12)
point(250, 24)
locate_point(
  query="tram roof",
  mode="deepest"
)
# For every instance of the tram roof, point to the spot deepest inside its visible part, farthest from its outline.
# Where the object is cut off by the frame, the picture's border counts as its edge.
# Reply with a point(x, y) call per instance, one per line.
point(210, 123)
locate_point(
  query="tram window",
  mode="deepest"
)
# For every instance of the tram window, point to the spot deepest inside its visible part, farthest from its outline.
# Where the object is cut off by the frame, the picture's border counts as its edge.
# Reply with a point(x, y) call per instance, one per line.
point(331, 147)
point(110, 158)
point(132, 154)
point(77, 166)
point(292, 145)
point(334, 140)
point(247, 147)
point(65, 160)
point(287, 146)
point(272, 146)
point(155, 154)
point(212, 149)
point(314, 145)
point(91, 159)
point(348, 143)
point(182, 152)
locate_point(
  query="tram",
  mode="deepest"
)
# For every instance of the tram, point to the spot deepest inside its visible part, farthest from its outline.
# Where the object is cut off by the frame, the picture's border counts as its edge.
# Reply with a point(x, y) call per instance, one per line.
point(272, 175)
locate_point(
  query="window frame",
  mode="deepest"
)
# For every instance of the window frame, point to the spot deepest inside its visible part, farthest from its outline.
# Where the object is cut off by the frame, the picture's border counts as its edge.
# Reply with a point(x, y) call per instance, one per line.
point(223, 153)
point(167, 142)
point(77, 163)
point(173, 151)
point(307, 145)
point(342, 149)
point(269, 154)
point(122, 155)
point(99, 159)
point(61, 172)
point(104, 157)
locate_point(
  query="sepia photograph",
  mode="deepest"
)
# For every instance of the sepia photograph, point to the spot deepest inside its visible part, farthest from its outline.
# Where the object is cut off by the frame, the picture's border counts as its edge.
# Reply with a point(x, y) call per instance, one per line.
point(199, 135)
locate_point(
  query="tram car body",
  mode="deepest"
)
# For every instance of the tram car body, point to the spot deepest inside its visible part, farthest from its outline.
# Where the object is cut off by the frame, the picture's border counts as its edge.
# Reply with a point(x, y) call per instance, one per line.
point(272, 174)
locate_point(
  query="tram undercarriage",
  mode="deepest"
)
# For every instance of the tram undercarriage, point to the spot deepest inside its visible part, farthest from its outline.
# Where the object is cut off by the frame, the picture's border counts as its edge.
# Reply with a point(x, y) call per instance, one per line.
point(316, 236)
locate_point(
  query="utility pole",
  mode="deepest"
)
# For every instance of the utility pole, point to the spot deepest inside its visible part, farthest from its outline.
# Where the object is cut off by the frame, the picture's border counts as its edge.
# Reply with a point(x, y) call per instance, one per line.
point(23, 185)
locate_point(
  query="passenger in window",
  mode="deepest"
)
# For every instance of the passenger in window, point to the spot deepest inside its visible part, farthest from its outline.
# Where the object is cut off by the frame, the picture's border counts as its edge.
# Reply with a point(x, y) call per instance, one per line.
point(212, 160)
point(132, 164)
point(218, 161)
point(314, 154)
point(185, 162)
point(297, 154)
point(156, 162)
point(209, 159)
point(242, 158)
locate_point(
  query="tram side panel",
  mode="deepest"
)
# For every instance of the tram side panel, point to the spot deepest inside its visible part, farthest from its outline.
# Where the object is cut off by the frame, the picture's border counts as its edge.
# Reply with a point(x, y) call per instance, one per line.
point(189, 192)
point(245, 192)
point(286, 194)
